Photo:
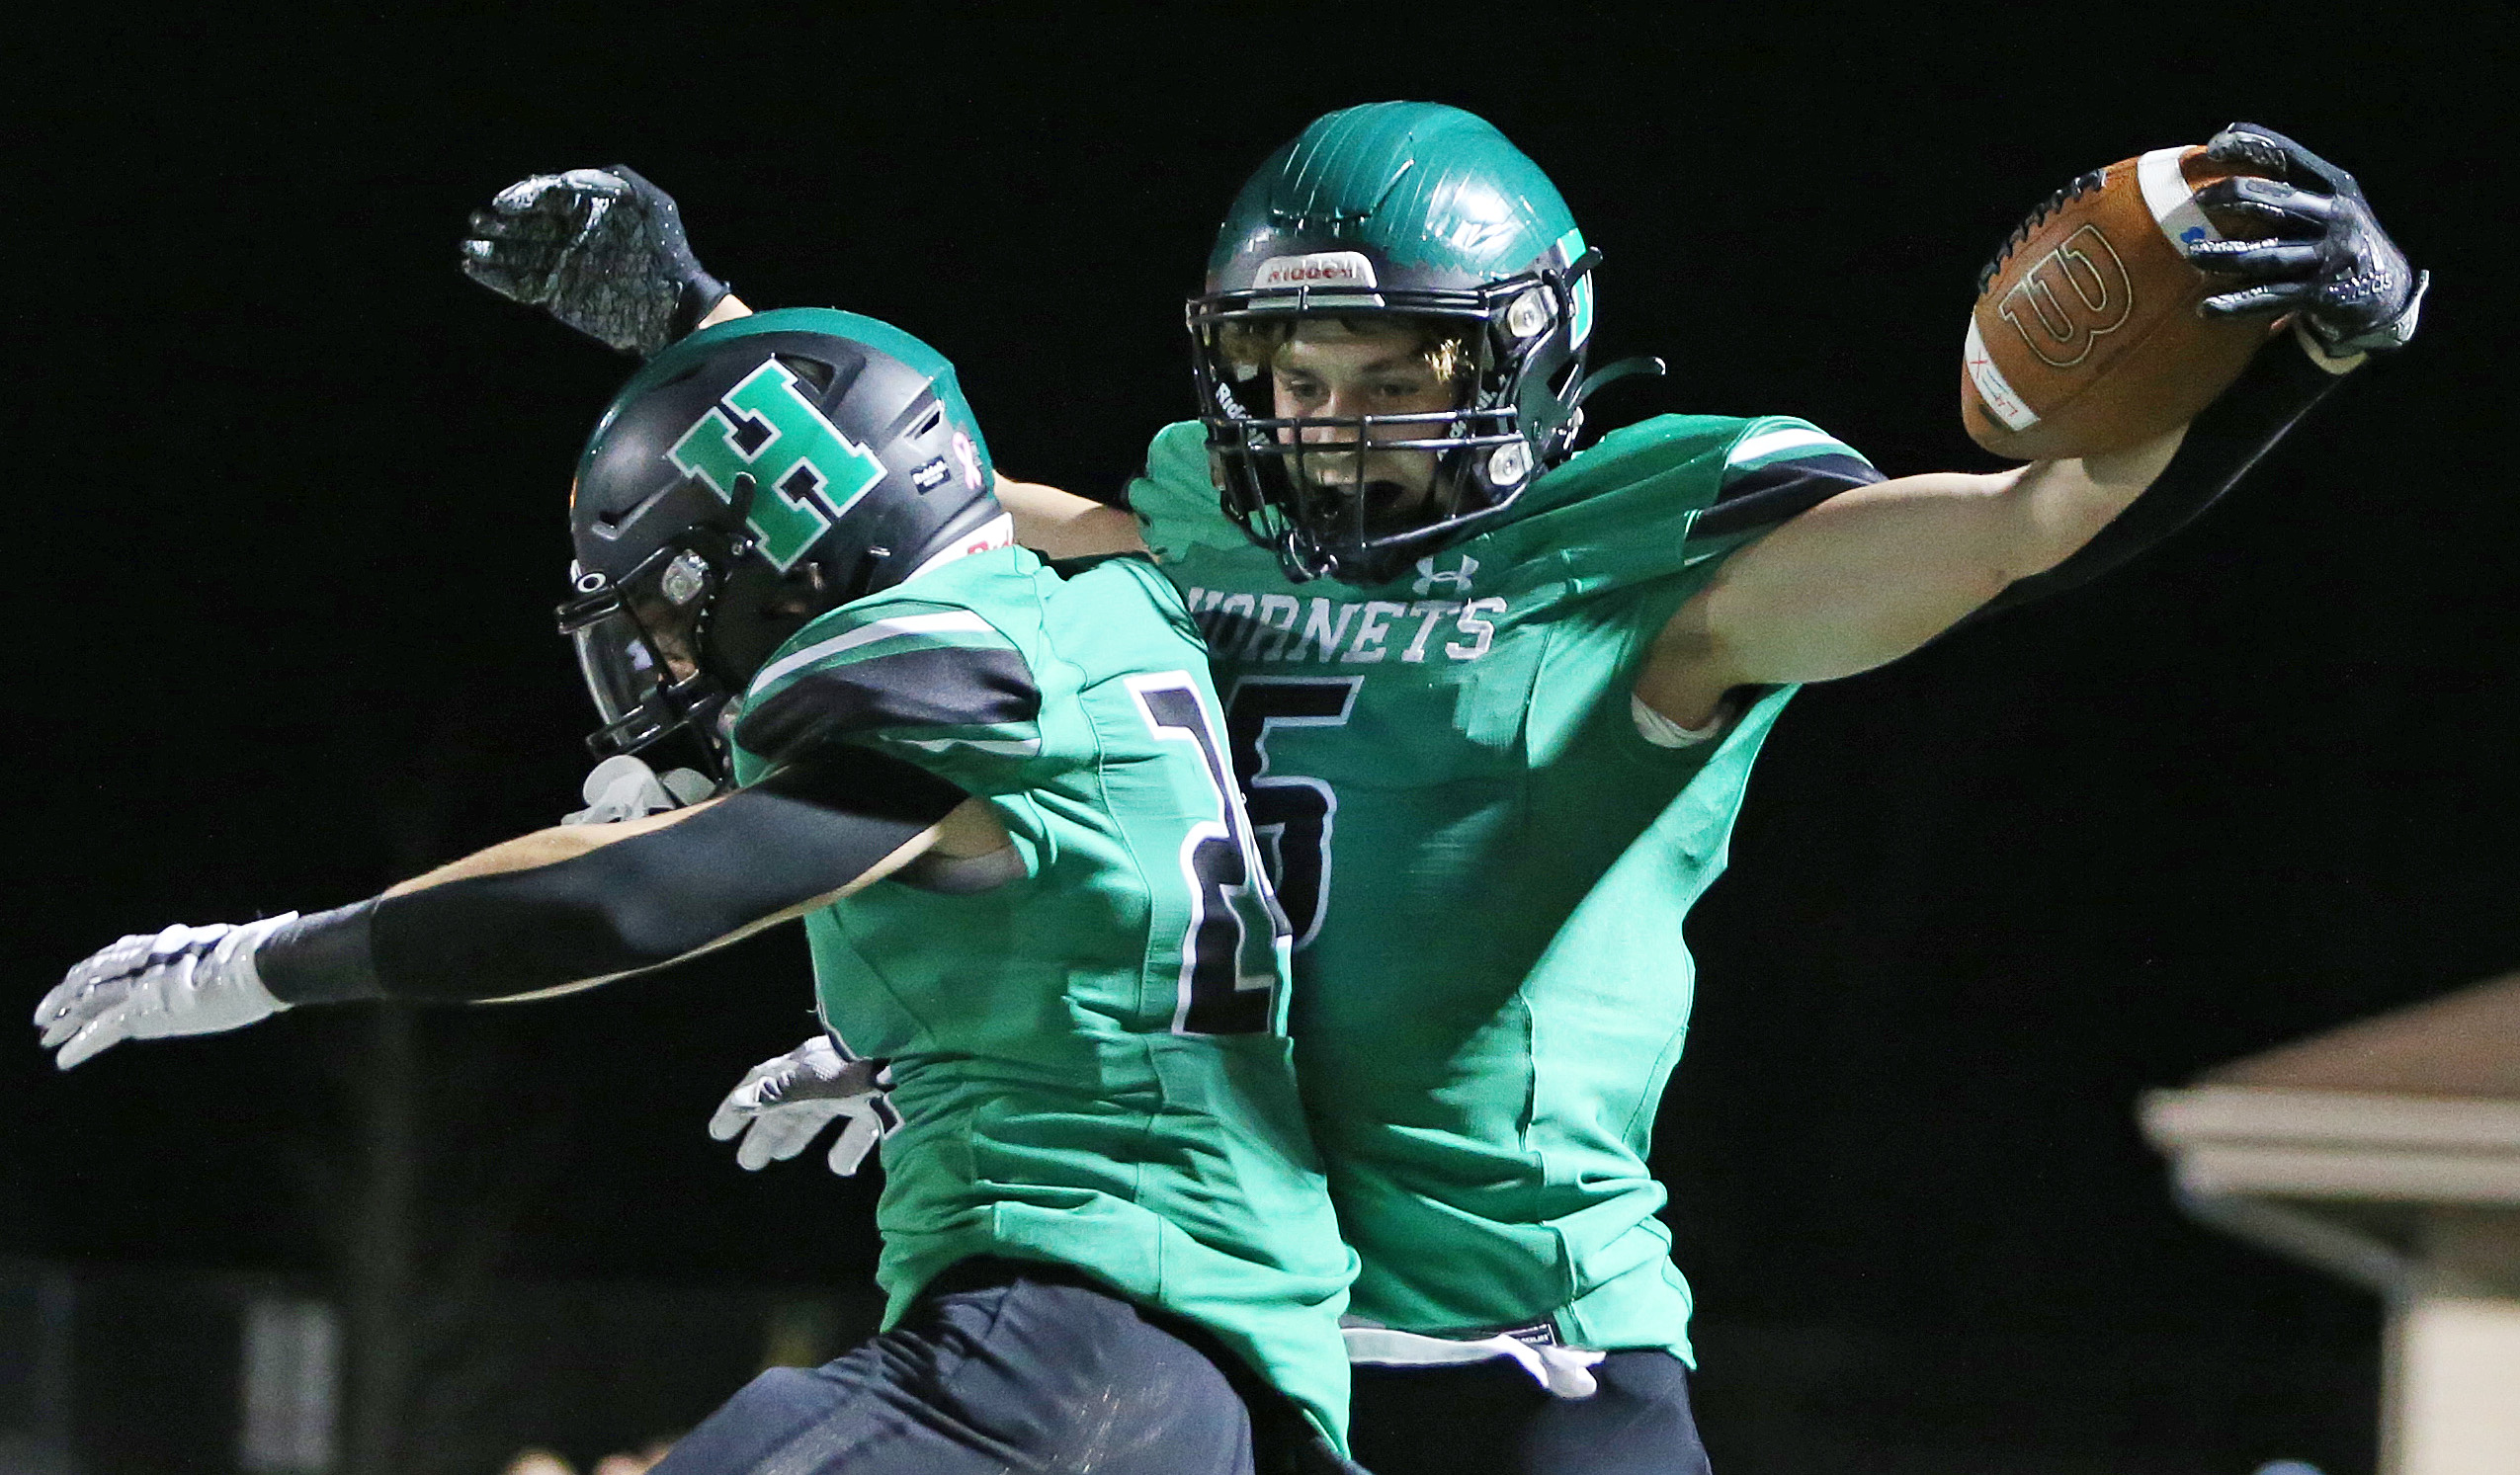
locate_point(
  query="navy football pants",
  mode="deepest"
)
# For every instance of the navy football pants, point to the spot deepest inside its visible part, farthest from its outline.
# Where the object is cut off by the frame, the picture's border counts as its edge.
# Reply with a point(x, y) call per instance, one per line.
point(1011, 1365)
point(1491, 1418)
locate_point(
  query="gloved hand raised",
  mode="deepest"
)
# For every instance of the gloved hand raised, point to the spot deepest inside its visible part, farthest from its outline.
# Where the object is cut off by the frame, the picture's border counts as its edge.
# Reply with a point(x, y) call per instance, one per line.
point(602, 250)
point(2324, 253)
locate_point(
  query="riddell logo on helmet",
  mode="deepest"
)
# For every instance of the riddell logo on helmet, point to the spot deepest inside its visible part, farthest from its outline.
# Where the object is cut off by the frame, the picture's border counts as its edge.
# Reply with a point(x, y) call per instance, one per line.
point(1320, 269)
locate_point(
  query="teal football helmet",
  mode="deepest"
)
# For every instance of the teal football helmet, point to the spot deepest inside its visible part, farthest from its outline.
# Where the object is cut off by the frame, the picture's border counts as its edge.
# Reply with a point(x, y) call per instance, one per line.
point(1425, 212)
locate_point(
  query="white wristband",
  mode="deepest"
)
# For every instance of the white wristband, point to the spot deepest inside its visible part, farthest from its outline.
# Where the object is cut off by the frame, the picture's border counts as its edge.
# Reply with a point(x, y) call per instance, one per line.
point(1662, 732)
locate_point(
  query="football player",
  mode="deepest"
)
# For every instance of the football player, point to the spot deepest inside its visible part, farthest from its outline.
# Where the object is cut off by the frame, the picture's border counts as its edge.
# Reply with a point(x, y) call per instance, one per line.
point(1494, 698)
point(998, 793)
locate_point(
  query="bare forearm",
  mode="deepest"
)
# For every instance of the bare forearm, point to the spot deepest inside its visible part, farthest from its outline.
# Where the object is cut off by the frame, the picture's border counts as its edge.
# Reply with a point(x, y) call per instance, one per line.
point(2285, 384)
point(2057, 507)
point(1061, 525)
point(1873, 573)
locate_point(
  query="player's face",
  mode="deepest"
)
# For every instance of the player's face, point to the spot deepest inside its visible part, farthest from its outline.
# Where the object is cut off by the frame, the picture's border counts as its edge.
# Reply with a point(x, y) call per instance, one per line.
point(1338, 370)
point(668, 632)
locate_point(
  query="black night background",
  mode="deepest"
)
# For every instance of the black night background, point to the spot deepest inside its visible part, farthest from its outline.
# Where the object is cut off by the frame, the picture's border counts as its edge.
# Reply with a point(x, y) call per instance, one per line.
point(288, 526)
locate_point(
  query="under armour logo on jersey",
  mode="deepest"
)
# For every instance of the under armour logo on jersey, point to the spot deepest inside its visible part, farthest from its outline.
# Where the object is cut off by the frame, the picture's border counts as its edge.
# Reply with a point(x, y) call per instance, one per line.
point(1428, 575)
point(810, 474)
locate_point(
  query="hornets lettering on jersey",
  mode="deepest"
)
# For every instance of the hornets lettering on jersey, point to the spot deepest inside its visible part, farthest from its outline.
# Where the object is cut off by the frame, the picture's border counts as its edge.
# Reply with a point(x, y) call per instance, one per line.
point(1090, 1060)
point(1253, 626)
point(1487, 864)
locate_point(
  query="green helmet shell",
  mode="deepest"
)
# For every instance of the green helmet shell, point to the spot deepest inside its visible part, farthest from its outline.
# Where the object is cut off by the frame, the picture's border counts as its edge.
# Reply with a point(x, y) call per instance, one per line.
point(1434, 198)
point(1427, 213)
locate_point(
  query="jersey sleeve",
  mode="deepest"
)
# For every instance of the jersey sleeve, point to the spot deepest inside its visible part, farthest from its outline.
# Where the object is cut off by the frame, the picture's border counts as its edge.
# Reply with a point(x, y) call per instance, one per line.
point(936, 684)
point(1777, 467)
point(1175, 500)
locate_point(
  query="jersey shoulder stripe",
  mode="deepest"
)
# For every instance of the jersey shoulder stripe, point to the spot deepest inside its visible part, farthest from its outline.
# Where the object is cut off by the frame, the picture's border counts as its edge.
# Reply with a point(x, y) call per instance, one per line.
point(1671, 461)
point(926, 675)
point(928, 629)
point(1775, 437)
point(1618, 513)
point(1776, 446)
point(1780, 467)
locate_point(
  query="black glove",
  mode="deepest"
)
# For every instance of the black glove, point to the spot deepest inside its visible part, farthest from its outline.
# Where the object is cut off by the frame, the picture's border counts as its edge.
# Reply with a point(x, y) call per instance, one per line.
point(602, 250)
point(2324, 255)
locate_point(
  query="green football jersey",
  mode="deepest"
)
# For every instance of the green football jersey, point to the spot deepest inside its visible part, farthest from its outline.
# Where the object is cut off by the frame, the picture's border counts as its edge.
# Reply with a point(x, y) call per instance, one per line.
point(1487, 864)
point(1090, 1059)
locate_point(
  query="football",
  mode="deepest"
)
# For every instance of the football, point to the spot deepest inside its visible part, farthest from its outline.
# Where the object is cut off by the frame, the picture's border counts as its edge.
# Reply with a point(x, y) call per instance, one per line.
point(2085, 336)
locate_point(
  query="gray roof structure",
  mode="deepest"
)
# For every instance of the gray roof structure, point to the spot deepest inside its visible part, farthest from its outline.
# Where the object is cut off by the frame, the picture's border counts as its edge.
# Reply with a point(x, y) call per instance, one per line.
point(2465, 1044)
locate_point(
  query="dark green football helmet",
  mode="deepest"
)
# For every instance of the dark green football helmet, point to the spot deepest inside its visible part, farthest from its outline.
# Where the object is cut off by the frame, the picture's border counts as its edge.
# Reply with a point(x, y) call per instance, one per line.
point(1425, 212)
point(752, 477)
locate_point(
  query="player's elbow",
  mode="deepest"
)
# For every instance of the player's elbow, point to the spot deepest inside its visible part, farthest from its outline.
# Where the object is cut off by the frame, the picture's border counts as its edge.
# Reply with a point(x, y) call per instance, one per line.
point(2035, 517)
point(2055, 508)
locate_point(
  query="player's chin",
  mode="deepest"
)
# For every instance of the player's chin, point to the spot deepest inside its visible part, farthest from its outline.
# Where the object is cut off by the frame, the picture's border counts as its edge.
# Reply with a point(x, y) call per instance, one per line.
point(1389, 505)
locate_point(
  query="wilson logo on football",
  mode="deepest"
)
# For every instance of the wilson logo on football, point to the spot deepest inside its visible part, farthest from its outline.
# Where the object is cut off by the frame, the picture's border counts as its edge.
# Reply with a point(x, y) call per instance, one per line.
point(1319, 268)
point(2077, 293)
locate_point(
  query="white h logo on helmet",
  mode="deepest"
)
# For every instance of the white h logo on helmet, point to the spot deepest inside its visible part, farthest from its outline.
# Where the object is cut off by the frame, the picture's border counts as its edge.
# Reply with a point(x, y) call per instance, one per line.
point(1458, 579)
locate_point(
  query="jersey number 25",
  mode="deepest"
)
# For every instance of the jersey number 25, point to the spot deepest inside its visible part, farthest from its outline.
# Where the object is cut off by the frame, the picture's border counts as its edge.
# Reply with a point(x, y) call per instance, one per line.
point(1230, 951)
point(1293, 815)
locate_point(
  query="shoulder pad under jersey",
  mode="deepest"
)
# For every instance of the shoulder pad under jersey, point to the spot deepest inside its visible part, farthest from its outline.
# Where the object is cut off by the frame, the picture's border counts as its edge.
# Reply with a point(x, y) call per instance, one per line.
point(925, 676)
point(1175, 499)
point(1628, 509)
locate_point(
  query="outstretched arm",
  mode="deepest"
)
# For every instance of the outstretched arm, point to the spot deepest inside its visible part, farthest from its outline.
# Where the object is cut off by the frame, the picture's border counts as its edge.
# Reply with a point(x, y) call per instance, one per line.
point(1875, 572)
point(576, 905)
point(559, 909)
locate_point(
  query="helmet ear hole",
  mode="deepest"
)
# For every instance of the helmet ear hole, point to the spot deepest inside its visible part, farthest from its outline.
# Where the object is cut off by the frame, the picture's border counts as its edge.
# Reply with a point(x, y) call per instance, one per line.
point(801, 593)
point(802, 590)
point(812, 371)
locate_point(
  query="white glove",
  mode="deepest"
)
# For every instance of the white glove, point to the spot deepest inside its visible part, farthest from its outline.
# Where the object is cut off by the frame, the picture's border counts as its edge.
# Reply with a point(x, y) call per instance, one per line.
point(623, 786)
point(185, 980)
point(788, 1100)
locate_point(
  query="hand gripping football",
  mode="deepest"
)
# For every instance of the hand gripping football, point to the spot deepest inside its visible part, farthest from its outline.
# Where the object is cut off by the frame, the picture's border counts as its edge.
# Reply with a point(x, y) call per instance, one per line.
point(2086, 336)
